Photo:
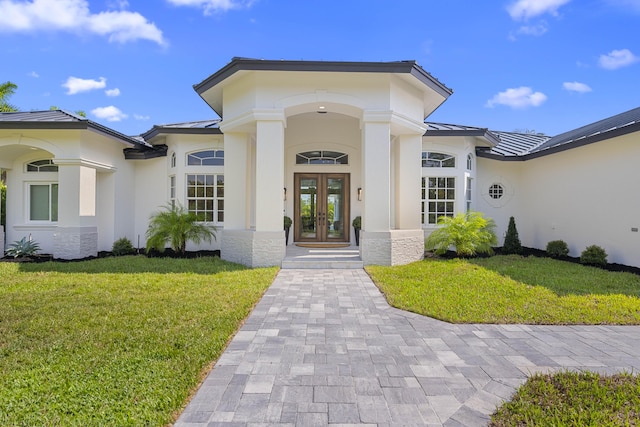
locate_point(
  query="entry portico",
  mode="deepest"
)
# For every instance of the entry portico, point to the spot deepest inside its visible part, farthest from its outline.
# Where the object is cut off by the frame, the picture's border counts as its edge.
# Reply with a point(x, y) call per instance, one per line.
point(370, 114)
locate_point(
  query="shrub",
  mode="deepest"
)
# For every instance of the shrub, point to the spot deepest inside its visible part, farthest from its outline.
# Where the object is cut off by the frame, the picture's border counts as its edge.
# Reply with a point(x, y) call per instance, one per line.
point(123, 246)
point(557, 249)
point(594, 255)
point(287, 222)
point(24, 247)
point(512, 243)
point(469, 233)
point(357, 222)
point(176, 226)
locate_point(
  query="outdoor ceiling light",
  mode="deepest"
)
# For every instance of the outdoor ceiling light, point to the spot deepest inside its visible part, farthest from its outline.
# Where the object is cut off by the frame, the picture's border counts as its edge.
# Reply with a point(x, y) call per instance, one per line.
point(359, 194)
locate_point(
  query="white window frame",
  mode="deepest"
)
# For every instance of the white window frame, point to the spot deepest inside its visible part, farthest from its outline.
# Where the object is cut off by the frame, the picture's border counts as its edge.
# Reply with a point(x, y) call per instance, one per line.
point(440, 162)
point(426, 200)
point(197, 200)
point(50, 216)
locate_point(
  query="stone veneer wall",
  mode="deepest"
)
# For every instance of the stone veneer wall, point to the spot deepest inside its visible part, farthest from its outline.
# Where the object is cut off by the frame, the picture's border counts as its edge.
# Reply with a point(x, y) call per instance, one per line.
point(75, 242)
point(396, 247)
point(253, 249)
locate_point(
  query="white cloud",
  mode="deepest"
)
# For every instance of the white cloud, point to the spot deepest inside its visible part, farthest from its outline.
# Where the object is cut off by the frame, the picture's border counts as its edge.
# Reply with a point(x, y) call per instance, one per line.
point(112, 92)
point(521, 97)
point(33, 74)
point(576, 87)
point(617, 59)
point(74, 16)
point(76, 85)
point(533, 30)
point(213, 5)
point(140, 117)
point(110, 113)
point(525, 9)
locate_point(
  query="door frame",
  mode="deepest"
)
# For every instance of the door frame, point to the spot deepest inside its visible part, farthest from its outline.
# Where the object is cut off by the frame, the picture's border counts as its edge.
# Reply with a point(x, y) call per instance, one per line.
point(322, 233)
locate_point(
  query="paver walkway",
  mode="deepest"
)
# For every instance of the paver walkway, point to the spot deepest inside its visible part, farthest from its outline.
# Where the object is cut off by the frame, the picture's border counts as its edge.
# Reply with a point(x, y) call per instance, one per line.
point(324, 347)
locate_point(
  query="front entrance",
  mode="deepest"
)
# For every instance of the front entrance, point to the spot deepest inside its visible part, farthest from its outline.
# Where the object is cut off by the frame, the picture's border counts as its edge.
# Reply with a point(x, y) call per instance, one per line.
point(321, 207)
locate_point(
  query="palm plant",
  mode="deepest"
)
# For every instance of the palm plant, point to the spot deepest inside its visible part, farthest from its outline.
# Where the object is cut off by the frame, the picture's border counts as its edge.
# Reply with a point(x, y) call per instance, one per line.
point(176, 226)
point(6, 90)
point(469, 233)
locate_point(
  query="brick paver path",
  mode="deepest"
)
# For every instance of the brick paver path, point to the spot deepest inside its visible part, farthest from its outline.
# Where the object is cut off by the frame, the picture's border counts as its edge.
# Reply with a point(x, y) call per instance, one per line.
point(324, 347)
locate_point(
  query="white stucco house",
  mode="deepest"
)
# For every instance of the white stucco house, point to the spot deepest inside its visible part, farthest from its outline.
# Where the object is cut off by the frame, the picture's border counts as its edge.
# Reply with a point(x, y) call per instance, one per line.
point(320, 142)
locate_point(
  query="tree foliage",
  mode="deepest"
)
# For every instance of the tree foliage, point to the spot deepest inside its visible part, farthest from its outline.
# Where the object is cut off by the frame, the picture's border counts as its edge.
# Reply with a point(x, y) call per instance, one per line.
point(6, 90)
point(469, 233)
point(512, 243)
point(176, 226)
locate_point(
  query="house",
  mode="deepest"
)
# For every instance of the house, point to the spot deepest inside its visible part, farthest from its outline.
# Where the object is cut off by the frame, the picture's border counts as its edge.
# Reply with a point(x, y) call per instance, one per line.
point(320, 142)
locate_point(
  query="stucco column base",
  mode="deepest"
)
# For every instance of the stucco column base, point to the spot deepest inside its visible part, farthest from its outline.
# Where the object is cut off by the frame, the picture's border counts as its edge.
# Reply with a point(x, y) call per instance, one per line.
point(2, 242)
point(75, 242)
point(395, 247)
point(253, 248)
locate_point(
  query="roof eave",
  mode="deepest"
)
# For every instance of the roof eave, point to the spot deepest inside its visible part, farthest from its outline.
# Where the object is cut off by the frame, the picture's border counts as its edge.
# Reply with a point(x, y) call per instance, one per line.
point(160, 130)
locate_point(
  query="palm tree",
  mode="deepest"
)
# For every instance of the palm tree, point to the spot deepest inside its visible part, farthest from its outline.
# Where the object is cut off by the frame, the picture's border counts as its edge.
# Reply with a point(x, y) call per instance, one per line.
point(176, 226)
point(6, 90)
point(469, 233)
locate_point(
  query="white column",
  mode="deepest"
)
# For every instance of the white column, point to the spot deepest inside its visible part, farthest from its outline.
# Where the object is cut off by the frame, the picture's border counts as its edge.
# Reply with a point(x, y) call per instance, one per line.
point(76, 235)
point(376, 170)
point(408, 182)
point(236, 185)
point(269, 175)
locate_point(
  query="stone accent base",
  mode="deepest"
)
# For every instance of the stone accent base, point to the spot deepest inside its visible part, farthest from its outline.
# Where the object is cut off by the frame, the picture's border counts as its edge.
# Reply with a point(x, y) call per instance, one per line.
point(75, 242)
point(253, 248)
point(2, 242)
point(395, 247)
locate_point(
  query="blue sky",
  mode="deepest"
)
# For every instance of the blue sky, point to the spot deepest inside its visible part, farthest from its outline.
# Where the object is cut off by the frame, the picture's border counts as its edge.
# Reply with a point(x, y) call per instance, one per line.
point(543, 65)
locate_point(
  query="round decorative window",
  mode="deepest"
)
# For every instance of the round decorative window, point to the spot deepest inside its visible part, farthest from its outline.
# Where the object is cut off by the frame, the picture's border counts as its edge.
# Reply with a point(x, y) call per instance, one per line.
point(496, 191)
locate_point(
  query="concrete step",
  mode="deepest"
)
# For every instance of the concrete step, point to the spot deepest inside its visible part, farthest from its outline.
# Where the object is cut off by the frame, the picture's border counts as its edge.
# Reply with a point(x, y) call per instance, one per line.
point(321, 264)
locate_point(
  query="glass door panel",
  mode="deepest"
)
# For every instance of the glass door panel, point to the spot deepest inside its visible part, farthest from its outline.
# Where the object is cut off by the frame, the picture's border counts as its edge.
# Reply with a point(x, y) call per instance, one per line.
point(321, 207)
point(308, 207)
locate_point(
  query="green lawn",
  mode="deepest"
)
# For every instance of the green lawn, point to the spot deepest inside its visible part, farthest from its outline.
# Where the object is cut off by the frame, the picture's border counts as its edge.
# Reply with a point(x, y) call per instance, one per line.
point(115, 341)
point(511, 289)
point(573, 399)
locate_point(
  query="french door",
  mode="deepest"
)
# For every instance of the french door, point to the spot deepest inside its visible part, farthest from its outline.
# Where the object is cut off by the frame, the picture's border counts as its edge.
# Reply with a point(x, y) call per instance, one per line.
point(321, 207)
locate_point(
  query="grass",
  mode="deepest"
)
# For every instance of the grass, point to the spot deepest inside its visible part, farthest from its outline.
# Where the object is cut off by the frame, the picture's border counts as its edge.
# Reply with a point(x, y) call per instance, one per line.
point(115, 341)
point(511, 289)
point(573, 399)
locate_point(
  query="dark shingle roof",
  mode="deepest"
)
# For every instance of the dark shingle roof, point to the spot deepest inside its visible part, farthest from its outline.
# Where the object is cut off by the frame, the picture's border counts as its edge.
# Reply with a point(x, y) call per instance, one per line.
point(622, 123)
point(196, 127)
point(517, 144)
point(59, 119)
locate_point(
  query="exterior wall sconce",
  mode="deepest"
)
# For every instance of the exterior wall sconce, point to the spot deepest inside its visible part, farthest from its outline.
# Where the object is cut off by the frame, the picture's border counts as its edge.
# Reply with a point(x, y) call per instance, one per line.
point(359, 194)
point(285, 194)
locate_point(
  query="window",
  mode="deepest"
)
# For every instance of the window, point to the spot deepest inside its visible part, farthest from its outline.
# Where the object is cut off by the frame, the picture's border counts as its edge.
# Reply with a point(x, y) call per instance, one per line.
point(172, 190)
point(468, 193)
point(206, 158)
point(172, 162)
point(469, 162)
point(43, 202)
point(205, 197)
point(322, 157)
point(46, 165)
point(438, 198)
point(496, 191)
point(431, 159)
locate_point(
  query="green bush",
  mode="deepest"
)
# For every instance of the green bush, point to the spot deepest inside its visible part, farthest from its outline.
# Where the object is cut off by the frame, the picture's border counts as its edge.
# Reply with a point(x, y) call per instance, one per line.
point(175, 226)
point(287, 222)
point(22, 248)
point(469, 233)
point(357, 222)
point(512, 243)
point(557, 249)
point(594, 255)
point(122, 247)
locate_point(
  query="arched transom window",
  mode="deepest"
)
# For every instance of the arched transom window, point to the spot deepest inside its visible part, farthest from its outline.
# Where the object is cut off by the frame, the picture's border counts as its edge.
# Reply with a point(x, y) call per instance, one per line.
point(433, 159)
point(322, 157)
point(46, 165)
point(206, 158)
